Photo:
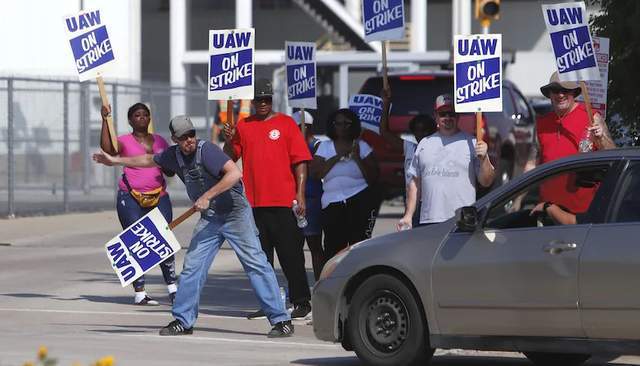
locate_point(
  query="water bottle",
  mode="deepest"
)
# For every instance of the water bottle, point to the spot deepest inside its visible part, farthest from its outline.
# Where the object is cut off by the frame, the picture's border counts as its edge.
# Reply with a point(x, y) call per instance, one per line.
point(586, 144)
point(302, 221)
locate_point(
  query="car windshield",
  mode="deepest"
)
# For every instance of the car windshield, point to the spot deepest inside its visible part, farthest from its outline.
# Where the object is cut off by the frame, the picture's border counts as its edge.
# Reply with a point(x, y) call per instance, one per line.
point(411, 94)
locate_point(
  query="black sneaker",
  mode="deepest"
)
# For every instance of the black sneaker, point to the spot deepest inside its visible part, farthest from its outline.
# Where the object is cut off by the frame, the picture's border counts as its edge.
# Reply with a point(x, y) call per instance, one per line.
point(257, 315)
point(175, 328)
point(147, 301)
point(172, 297)
point(301, 310)
point(282, 329)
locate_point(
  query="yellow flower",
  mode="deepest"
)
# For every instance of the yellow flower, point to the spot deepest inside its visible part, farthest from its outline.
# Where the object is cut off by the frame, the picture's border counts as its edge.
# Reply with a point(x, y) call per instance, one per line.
point(105, 361)
point(28, 364)
point(42, 352)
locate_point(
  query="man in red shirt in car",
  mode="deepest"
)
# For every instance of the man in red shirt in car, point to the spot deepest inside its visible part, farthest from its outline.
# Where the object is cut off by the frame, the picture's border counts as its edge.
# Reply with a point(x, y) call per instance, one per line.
point(562, 132)
point(274, 162)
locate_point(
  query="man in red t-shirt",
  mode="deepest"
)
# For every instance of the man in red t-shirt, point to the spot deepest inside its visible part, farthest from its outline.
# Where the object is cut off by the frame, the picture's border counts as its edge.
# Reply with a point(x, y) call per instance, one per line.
point(562, 132)
point(274, 163)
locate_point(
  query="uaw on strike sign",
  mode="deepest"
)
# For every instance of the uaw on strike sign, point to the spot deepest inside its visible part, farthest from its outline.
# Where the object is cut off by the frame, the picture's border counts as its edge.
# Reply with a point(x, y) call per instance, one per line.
point(231, 54)
point(300, 58)
point(571, 41)
point(369, 110)
point(141, 246)
point(90, 43)
point(383, 19)
point(478, 73)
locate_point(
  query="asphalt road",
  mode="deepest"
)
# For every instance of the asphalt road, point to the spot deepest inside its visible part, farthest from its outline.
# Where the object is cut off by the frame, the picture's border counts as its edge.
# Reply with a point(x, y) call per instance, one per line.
point(57, 290)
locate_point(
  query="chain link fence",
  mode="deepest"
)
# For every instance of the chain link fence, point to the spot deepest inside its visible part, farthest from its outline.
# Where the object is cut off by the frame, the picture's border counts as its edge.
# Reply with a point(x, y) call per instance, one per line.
point(49, 128)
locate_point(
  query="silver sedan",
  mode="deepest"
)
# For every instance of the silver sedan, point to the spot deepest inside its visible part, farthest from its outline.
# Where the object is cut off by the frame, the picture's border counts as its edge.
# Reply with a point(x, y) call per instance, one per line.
point(558, 281)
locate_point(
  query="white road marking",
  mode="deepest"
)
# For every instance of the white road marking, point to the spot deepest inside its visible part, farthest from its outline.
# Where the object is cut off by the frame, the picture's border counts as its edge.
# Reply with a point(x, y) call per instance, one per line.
point(111, 313)
point(192, 338)
point(189, 338)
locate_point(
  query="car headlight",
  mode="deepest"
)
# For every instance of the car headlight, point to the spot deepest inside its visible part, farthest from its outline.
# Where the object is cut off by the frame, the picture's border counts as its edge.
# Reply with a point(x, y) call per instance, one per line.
point(332, 263)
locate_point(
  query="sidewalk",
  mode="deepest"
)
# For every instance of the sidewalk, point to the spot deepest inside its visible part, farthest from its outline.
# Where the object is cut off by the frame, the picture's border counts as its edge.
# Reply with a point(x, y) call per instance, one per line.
point(28, 229)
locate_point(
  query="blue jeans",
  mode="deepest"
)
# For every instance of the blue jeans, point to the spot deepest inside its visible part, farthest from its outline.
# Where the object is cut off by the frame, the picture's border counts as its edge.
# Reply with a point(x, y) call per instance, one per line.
point(129, 211)
point(210, 232)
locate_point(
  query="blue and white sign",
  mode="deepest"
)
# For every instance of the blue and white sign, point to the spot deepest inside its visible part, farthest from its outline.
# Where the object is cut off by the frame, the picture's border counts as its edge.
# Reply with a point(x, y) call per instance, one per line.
point(300, 58)
point(231, 60)
point(568, 27)
point(141, 246)
point(369, 110)
point(478, 73)
point(90, 43)
point(383, 19)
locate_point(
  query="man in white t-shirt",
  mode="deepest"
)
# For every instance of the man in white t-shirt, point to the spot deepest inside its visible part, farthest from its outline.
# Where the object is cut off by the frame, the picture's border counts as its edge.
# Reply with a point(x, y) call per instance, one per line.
point(445, 167)
point(420, 126)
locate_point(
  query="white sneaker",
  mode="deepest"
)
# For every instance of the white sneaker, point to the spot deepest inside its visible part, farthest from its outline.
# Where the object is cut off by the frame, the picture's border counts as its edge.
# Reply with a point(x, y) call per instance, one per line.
point(147, 301)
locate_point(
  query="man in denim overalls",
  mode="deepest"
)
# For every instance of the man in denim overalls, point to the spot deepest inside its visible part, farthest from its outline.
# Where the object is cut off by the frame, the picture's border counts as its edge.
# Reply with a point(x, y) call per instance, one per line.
point(213, 183)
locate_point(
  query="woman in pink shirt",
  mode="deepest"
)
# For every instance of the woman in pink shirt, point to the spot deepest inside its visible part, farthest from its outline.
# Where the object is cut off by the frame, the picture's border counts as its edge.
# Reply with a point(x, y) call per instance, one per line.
point(140, 142)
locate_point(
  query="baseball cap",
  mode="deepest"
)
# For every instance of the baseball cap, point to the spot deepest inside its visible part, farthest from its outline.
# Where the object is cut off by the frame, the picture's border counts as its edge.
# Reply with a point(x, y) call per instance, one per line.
point(555, 83)
point(308, 118)
point(180, 125)
point(443, 101)
point(262, 88)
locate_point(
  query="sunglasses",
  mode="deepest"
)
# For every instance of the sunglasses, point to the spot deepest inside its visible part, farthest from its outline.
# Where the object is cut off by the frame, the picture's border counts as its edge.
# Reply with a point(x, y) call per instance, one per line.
point(561, 90)
point(446, 114)
point(263, 100)
point(189, 135)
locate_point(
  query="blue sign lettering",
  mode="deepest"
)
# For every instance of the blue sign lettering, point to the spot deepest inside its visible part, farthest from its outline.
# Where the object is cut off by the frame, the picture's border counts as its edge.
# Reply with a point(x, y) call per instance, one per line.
point(478, 47)
point(477, 80)
point(233, 40)
point(120, 261)
point(301, 53)
point(230, 70)
point(382, 15)
point(145, 244)
point(369, 110)
point(92, 49)
point(83, 21)
point(564, 16)
point(573, 49)
point(301, 81)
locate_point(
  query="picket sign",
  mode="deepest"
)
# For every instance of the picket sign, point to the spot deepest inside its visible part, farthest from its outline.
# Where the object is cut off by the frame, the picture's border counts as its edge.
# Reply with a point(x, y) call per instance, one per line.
point(369, 110)
point(300, 62)
point(478, 75)
point(383, 20)
point(143, 245)
point(572, 45)
point(231, 66)
point(92, 52)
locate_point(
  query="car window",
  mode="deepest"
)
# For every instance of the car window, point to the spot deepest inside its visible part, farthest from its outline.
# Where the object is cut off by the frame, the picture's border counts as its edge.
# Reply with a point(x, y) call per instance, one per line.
point(628, 207)
point(507, 104)
point(523, 107)
point(411, 94)
point(573, 190)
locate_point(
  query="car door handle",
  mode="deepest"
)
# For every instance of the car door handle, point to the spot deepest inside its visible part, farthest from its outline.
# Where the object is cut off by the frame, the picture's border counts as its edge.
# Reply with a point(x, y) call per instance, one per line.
point(559, 247)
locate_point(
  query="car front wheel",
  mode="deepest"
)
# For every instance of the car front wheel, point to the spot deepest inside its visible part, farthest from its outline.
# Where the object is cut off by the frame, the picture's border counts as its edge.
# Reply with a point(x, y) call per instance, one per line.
point(556, 359)
point(386, 326)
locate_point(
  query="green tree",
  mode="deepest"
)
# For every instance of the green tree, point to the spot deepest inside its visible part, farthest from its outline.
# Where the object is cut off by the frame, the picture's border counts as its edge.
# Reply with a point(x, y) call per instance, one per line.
point(618, 20)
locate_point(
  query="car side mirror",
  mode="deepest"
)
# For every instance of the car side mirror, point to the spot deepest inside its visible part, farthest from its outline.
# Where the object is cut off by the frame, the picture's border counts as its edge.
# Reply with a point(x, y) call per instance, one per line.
point(467, 218)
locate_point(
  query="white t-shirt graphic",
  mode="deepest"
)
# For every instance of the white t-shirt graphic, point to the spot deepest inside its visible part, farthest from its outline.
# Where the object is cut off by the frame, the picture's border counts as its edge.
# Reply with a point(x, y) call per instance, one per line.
point(447, 167)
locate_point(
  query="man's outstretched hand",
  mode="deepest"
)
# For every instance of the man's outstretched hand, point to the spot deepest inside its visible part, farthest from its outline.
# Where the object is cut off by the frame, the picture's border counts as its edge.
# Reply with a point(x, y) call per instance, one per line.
point(103, 158)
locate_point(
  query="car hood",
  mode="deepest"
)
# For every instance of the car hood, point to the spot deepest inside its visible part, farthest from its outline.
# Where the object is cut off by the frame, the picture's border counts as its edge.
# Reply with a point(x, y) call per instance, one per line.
point(410, 251)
